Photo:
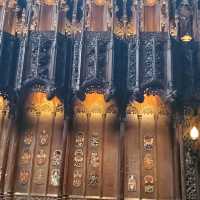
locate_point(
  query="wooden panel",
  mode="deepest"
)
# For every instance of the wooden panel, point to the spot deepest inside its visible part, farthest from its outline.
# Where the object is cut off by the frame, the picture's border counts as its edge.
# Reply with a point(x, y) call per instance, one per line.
point(148, 158)
point(110, 162)
point(57, 145)
point(94, 155)
point(26, 153)
point(165, 159)
point(77, 156)
point(41, 154)
point(132, 157)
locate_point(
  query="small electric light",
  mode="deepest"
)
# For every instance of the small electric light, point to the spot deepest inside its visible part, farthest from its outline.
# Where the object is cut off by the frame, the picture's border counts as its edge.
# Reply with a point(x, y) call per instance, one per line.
point(186, 38)
point(194, 133)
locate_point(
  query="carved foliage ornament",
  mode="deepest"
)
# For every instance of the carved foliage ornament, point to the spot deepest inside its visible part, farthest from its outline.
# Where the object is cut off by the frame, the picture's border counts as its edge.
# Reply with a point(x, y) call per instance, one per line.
point(149, 184)
point(78, 157)
point(26, 157)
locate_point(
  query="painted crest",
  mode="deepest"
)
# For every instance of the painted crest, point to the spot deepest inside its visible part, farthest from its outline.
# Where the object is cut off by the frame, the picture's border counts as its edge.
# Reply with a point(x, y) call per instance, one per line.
point(148, 143)
point(55, 177)
point(78, 157)
point(41, 157)
point(132, 183)
point(24, 176)
point(93, 179)
point(28, 138)
point(94, 160)
point(57, 157)
point(94, 141)
point(44, 138)
point(148, 161)
point(77, 178)
point(79, 140)
point(26, 157)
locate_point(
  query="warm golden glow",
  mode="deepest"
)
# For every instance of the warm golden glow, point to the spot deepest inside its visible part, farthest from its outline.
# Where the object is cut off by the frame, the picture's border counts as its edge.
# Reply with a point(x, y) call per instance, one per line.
point(3, 104)
point(194, 133)
point(100, 2)
point(39, 101)
point(186, 38)
point(150, 2)
point(49, 2)
point(150, 105)
point(95, 102)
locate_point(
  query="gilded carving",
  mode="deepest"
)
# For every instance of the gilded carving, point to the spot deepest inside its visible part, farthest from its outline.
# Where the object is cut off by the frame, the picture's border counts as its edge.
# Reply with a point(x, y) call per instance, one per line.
point(44, 138)
point(28, 138)
point(132, 183)
point(94, 160)
point(79, 140)
point(57, 157)
point(78, 157)
point(93, 179)
point(39, 177)
point(148, 161)
point(26, 157)
point(148, 143)
point(24, 176)
point(41, 157)
point(55, 177)
point(77, 178)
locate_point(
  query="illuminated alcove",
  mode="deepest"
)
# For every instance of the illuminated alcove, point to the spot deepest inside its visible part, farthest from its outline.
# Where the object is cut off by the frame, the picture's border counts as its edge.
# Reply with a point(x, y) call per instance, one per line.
point(39, 159)
point(93, 158)
point(148, 153)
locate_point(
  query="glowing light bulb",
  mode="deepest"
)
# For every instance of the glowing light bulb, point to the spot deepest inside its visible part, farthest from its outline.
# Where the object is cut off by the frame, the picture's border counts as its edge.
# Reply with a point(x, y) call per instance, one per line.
point(186, 38)
point(194, 133)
